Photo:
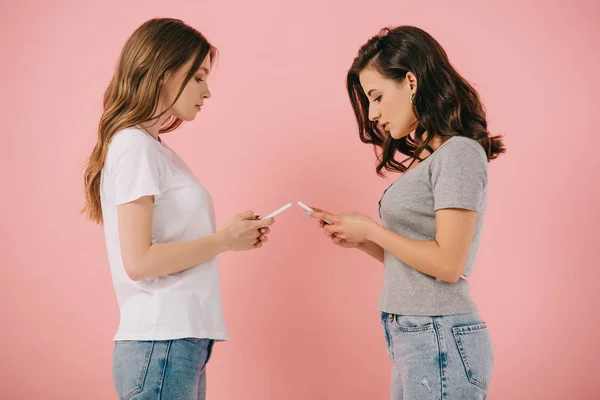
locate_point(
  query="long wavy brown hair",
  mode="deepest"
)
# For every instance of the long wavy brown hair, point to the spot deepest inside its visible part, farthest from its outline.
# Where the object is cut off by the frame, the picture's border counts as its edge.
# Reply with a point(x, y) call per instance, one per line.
point(158, 48)
point(445, 104)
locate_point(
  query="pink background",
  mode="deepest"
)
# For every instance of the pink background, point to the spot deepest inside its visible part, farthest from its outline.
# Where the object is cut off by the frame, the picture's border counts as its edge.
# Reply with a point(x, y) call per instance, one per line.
point(302, 313)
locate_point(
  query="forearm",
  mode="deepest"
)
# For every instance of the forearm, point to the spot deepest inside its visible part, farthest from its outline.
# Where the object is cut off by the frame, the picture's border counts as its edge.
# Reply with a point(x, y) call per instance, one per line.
point(424, 256)
point(169, 258)
point(372, 249)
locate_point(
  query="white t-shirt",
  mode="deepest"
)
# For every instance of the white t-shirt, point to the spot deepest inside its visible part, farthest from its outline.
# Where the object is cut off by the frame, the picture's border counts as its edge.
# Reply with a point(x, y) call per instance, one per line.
point(185, 304)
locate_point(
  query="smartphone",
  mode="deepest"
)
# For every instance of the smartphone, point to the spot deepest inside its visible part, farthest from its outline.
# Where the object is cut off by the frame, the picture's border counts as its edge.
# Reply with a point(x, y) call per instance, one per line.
point(282, 209)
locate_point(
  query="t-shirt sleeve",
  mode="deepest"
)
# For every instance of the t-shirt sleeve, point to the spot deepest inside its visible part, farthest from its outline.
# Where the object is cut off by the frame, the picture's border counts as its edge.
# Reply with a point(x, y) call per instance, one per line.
point(458, 176)
point(136, 171)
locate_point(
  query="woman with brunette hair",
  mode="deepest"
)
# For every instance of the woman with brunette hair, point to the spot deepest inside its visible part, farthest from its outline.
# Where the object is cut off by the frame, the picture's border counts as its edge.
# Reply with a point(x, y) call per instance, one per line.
point(410, 101)
point(158, 218)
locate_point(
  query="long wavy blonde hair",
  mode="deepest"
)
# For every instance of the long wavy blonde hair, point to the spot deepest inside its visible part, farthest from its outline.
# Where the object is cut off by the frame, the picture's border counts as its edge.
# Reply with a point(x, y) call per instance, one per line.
point(158, 48)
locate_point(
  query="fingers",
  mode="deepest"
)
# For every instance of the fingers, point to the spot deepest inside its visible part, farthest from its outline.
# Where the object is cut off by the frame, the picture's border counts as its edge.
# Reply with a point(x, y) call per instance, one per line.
point(261, 238)
point(250, 227)
point(325, 216)
point(251, 215)
point(333, 230)
point(316, 214)
point(263, 223)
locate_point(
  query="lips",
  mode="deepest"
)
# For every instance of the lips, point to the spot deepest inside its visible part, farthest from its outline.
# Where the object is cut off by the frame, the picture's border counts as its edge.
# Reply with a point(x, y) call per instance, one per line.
point(384, 126)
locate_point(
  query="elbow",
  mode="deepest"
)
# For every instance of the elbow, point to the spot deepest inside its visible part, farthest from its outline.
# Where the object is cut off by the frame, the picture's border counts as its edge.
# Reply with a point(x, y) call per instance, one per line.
point(133, 274)
point(451, 273)
point(451, 278)
point(133, 271)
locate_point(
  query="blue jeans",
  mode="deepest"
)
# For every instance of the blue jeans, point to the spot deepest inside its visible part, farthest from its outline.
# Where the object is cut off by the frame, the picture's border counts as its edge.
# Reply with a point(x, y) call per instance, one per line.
point(165, 369)
point(445, 357)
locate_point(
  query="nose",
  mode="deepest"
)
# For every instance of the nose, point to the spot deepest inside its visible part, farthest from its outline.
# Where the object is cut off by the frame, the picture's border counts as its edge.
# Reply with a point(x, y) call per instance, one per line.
point(206, 93)
point(374, 113)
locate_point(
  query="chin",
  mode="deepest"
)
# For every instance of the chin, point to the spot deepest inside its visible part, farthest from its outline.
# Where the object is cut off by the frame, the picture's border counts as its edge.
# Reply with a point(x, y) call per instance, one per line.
point(399, 135)
point(189, 117)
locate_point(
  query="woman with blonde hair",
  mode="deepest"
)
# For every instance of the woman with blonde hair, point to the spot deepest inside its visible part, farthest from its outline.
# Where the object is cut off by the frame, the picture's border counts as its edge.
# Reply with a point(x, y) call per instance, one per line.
point(158, 218)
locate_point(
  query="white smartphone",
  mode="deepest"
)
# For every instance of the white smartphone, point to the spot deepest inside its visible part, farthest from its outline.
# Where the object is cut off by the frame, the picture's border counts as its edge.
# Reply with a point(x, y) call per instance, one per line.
point(282, 209)
point(307, 208)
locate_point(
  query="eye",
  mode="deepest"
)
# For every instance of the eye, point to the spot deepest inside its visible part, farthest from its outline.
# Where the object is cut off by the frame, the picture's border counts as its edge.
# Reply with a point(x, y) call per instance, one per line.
point(198, 80)
point(377, 100)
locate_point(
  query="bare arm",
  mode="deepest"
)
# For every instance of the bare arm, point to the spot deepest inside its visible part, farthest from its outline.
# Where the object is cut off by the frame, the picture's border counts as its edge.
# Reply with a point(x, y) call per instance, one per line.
point(142, 259)
point(444, 257)
point(458, 179)
point(372, 249)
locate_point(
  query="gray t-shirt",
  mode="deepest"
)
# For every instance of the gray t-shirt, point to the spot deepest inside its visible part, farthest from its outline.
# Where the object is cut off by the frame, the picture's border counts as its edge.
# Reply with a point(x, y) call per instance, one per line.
point(453, 176)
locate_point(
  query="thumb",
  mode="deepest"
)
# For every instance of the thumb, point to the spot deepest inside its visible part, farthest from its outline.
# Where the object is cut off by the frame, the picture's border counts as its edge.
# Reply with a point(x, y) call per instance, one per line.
point(246, 215)
point(263, 223)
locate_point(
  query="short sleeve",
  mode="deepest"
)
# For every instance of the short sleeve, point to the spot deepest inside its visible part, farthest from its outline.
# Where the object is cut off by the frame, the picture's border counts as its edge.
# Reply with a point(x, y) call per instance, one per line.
point(458, 175)
point(135, 169)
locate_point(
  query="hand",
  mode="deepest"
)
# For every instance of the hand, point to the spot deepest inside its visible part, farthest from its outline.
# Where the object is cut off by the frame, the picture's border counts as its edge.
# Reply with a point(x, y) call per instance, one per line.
point(246, 232)
point(353, 227)
point(338, 241)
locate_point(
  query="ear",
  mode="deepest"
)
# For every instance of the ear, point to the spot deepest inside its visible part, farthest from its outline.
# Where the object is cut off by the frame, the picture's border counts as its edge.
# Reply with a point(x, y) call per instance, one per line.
point(165, 78)
point(411, 79)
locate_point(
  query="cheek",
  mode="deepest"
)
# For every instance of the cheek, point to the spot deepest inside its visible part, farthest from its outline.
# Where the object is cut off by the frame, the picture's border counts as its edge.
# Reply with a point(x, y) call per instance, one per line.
point(186, 99)
point(403, 112)
point(402, 118)
point(168, 96)
point(184, 107)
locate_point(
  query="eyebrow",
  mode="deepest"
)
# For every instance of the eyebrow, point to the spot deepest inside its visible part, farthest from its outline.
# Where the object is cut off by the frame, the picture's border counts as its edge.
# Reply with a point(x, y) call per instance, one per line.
point(369, 93)
point(204, 69)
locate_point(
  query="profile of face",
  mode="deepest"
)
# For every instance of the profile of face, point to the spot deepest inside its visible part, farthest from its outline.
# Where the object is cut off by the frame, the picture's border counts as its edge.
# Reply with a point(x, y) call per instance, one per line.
point(194, 94)
point(390, 102)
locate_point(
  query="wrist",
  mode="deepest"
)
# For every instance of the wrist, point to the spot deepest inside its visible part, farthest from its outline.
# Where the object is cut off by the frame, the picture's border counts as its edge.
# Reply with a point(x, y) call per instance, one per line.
point(224, 240)
point(371, 231)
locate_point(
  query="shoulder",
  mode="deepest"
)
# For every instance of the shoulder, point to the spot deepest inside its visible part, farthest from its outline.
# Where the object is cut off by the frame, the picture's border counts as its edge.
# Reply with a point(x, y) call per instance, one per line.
point(129, 139)
point(131, 146)
point(459, 159)
point(460, 147)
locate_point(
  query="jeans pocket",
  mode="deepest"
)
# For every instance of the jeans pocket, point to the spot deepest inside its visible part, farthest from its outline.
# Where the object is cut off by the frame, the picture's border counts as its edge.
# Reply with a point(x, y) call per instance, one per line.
point(386, 334)
point(204, 344)
point(131, 360)
point(475, 348)
point(409, 323)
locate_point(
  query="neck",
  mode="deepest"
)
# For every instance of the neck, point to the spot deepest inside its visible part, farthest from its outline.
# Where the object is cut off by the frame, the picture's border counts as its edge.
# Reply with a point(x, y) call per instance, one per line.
point(436, 142)
point(153, 126)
